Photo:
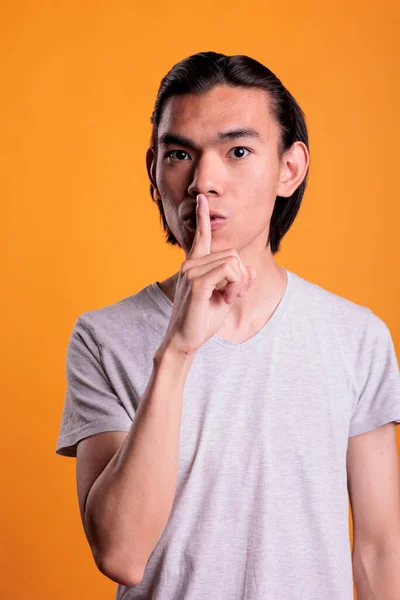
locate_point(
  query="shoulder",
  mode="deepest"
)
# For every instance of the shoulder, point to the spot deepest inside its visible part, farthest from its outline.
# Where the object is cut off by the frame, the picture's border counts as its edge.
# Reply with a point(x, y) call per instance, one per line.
point(350, 324)
point(323, 304)
point(125, 316)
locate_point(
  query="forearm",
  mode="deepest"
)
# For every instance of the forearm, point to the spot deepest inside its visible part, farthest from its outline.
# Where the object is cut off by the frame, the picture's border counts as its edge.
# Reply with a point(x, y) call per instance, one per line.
point(129, 504)
point(377, 574)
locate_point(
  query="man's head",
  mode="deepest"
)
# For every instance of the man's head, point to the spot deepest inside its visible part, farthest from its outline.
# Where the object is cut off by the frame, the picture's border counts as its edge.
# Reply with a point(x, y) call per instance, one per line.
point(255, 177)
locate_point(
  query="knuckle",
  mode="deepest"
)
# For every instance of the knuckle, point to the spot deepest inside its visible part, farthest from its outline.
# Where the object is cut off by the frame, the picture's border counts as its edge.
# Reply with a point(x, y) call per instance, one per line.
point(231, 268)
point(232, 259)
point(234, 252)
point(234, 262)
point(184, 267)
point(188, 275)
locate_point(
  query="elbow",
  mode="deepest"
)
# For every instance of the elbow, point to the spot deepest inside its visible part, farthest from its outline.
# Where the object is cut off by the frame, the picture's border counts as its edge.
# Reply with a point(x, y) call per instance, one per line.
point(118, 571)
point(113, 565)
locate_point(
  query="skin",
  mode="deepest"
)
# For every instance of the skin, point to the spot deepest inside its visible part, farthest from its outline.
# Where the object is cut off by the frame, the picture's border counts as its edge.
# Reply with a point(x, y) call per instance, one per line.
point(240, 179)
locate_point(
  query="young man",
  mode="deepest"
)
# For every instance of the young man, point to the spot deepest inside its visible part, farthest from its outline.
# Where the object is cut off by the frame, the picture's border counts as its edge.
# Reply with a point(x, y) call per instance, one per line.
point(221, 417)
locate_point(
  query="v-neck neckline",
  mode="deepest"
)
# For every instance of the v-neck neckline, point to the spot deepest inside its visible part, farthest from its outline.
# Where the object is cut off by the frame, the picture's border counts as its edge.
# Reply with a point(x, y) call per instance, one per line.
point(158, 294)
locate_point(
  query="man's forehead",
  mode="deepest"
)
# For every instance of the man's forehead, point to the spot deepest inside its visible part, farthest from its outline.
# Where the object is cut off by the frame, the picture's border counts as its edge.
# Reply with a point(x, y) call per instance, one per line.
point(217, 116)
point(219, 99)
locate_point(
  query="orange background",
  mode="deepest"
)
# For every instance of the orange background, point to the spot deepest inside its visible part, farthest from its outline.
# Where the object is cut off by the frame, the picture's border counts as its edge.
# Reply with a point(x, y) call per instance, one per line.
point(79, 229)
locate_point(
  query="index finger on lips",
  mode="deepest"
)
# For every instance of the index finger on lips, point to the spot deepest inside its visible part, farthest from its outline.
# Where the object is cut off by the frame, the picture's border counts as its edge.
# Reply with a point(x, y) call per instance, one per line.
point(202, 239)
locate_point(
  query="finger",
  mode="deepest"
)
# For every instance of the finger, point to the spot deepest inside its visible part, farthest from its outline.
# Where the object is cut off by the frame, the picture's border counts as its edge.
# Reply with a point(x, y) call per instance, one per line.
point(205, 284)
point(195, 272)
point(252, 274)
point(246, 273)
point(202, 239)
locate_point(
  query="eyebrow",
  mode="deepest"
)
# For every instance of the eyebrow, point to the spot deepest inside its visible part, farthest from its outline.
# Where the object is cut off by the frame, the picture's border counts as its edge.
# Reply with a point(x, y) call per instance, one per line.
point(222, 136)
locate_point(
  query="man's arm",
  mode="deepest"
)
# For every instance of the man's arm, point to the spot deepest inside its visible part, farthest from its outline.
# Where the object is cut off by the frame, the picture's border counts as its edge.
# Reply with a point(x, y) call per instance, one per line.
point(126, 509)
point(373, 480)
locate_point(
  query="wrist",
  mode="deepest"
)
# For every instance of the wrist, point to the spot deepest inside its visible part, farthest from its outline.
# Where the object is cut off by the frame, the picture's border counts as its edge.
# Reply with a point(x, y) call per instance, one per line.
point(169, 351)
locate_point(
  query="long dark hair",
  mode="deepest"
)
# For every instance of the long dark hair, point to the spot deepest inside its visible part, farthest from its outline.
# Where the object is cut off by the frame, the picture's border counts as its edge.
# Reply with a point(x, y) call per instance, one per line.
point(203, 71)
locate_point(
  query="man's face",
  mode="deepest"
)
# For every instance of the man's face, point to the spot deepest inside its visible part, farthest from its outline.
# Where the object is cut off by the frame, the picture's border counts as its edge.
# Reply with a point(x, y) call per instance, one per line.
point(239, 176)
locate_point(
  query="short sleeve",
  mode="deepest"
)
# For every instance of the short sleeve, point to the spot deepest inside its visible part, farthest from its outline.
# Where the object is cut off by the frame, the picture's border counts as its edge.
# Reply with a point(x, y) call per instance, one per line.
point(378, 379)
point(91, 404)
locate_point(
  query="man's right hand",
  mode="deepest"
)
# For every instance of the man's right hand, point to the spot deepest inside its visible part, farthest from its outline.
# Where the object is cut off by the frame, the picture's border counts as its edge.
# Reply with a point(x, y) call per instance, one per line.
point(208, 284)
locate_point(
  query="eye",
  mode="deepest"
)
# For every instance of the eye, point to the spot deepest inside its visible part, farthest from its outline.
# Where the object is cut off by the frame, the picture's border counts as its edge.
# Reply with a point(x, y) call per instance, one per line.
point(241, 148)
point(169, 154)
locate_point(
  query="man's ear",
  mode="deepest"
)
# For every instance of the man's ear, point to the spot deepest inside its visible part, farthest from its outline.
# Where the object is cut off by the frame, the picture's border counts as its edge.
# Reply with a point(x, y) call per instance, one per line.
point(293, 169)
point(151, 161)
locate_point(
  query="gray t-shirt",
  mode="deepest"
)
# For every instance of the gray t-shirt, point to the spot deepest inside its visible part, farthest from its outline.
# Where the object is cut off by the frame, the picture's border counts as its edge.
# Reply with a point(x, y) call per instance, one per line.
point(261, 506)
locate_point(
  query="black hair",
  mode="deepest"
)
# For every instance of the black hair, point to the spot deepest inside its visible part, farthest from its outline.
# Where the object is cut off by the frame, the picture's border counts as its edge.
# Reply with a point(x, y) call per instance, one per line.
point(205, 70)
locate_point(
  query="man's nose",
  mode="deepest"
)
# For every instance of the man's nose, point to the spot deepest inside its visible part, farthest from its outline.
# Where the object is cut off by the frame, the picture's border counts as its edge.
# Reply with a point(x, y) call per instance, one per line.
point(206, 177)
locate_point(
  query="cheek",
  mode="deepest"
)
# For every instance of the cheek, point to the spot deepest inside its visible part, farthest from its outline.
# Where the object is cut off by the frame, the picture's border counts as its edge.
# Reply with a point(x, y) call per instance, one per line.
point(259, 200)
point(261, 174)
point(163, 176)
point(259, 191)
point(162, 181)
point(171, 214)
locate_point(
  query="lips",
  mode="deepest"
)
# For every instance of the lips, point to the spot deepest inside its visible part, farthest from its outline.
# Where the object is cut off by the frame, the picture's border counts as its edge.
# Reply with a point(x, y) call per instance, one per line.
point(192, 220)
point(190, 216)
point(214, 213)
point(215, 223)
